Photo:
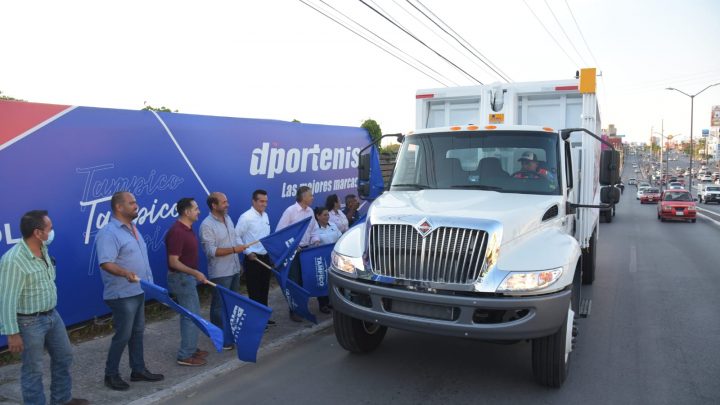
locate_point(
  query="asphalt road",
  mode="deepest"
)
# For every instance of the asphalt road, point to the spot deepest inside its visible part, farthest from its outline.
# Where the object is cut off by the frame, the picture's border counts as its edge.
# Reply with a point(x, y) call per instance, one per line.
point(652, 338)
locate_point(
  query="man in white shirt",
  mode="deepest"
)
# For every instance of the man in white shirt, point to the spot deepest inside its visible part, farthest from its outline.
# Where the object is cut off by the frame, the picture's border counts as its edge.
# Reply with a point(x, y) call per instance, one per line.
point(254, 224)
point(293, 214)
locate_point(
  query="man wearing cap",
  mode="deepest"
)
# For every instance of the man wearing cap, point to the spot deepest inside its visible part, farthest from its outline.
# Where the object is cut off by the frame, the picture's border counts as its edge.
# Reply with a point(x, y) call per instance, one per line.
point(529, 168)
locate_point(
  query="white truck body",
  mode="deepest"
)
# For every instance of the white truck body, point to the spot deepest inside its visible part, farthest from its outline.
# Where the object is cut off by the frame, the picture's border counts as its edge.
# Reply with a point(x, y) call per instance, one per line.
point(467, 242)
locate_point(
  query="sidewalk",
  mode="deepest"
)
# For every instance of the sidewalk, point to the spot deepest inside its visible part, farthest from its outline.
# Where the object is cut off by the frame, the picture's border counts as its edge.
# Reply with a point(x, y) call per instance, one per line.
point(162, 339)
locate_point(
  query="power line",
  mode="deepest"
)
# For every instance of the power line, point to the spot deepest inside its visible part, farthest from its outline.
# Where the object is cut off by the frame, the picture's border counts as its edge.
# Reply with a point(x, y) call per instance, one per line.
point(442, 38)
point(551, 35)
point(484, 59)
point(387, 42)
point(420, 41)
point(565, 33)
point(581, 34)
point(363, 37)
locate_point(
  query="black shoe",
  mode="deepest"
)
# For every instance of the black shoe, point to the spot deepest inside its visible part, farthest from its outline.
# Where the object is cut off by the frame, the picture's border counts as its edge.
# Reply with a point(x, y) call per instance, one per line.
point(228, 347)
point(325, 309)
point(272, 323)
point(145, 376)
point(116, 383)
point(295, 317)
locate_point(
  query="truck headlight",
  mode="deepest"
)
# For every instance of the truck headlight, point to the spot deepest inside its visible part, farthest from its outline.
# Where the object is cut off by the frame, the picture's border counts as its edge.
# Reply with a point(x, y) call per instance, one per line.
point(345, 264)
point(527, 281)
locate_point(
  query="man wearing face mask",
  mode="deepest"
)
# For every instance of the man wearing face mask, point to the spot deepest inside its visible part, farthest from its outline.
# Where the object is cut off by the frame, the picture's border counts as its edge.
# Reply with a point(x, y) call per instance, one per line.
point(28, 316)
point(123, 257)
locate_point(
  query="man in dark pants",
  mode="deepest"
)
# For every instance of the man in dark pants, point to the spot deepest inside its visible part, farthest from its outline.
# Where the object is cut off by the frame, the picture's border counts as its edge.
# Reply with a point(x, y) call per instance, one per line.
point(28, 316)
point(123, 257)
point(253, 225)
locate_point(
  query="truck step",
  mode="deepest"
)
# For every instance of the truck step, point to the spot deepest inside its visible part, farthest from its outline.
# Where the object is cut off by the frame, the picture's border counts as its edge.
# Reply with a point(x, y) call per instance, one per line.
point(585, 306)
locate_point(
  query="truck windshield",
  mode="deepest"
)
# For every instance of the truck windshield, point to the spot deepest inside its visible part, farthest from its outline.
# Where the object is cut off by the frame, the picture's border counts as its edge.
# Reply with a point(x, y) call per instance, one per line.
point(504, 161)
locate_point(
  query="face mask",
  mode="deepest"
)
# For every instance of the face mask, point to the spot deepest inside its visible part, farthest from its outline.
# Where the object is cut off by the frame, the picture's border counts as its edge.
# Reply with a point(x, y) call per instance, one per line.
point(50, 238)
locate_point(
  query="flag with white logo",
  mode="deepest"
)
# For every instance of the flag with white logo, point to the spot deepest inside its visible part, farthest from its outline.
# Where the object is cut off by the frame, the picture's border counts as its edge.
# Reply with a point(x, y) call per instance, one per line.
point(297, 299)
point(161, 295)
point(314, 264)
point(246, 320)
point(281, 246)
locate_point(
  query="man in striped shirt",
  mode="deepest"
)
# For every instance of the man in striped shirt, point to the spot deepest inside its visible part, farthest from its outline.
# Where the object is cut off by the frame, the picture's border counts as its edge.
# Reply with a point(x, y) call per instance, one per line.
point(28, 316)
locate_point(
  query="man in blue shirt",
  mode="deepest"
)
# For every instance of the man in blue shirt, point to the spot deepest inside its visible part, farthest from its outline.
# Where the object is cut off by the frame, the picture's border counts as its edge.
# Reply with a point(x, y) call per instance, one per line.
point(122, 255)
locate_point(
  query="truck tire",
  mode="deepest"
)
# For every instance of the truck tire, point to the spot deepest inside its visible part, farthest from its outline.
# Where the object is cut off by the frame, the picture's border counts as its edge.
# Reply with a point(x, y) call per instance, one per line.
point(551, 355)
point(588, 259)
point(357, 336)
point(608, 216)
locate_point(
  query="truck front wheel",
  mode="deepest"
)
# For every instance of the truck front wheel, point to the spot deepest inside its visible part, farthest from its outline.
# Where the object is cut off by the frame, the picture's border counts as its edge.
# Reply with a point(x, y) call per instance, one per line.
point(357, 336)
point(551, 355)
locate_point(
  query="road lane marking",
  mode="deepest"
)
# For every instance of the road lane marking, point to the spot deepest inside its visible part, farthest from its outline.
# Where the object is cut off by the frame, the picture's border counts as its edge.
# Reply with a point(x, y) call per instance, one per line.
point(633, 259)
point(709, 219)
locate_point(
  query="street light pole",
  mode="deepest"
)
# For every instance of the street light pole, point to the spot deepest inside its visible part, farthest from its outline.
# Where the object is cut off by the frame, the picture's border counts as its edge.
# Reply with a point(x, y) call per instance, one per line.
point(692, 101)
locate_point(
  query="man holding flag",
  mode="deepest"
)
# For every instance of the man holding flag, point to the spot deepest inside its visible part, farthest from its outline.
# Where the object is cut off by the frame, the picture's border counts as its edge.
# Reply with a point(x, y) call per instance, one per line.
point(296, 213)
point(183, 276)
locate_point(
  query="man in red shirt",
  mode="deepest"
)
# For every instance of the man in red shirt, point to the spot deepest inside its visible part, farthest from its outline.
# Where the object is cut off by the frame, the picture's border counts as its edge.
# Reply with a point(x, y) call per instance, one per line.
point(183, 275)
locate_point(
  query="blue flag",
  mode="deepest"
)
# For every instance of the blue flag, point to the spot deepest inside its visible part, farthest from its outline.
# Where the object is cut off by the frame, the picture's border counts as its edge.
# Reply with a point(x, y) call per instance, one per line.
point(281, 246)
point(314, 263)
point(246, 319)
point(297, 298)
point(161, 295)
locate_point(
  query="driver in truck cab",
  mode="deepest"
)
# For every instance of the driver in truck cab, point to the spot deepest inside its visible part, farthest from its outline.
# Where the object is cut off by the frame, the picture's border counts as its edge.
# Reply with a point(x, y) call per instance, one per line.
point(530, 168)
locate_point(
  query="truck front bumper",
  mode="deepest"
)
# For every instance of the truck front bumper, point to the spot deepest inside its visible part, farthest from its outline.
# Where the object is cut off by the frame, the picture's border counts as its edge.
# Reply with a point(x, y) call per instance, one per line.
point(476, 317)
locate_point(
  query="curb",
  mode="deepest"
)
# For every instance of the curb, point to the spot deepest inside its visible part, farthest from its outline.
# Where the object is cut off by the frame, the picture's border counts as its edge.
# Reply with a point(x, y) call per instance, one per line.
point(232, 365)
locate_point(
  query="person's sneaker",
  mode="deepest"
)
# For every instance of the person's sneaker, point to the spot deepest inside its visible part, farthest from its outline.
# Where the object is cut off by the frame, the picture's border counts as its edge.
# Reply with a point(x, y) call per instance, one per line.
point(114, 382)
point(228, 347)
point(192, 361)
point(295, 317)
point(201, 354)
point(77, 401)
point(145, 375)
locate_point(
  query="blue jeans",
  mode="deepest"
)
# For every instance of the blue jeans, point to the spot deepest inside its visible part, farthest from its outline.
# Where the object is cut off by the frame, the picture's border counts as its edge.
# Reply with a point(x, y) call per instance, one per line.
point(232, 283)
point(38, 333)
point(129, 324)
point(184, 287)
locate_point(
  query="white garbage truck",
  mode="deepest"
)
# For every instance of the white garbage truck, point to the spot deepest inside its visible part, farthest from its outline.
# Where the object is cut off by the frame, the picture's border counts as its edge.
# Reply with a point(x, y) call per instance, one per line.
point(489, 226)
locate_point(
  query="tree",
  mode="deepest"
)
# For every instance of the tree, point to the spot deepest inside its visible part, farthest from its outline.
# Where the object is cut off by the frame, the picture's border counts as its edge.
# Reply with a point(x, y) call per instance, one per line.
point(158, 109)
point(4, 97)
point(373, 128)
point(296, 120)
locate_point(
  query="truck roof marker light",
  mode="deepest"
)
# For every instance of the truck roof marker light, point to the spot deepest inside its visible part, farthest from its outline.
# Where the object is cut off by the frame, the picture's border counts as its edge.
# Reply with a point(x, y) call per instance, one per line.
point(548, 129)
point(455, 128)
point(421, 96)
point(473, 127)
point(562, 88)
point(490, 126)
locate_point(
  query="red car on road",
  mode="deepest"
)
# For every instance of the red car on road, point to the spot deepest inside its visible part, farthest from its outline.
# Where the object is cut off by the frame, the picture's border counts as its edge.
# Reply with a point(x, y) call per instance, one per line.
point(650, 195)
point(676, 205)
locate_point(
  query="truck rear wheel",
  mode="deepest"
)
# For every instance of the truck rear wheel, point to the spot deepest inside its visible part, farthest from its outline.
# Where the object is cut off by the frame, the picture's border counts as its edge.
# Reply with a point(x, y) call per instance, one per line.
point(551, 355)
point(588, 260)
point(357, 336)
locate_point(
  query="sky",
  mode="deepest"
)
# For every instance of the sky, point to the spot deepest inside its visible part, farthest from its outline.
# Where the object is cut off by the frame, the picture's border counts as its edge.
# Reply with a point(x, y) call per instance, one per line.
point(283, 60)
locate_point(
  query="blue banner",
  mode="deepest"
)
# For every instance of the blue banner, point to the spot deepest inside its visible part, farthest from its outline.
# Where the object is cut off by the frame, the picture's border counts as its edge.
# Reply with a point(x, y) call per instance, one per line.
point(160, 294)
point(90, 153)
point(246, 319)
point(282, 245)
point(314, 264)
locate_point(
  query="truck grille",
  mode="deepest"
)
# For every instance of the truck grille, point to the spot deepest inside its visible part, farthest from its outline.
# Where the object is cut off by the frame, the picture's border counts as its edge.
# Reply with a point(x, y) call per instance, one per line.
point(447, 255)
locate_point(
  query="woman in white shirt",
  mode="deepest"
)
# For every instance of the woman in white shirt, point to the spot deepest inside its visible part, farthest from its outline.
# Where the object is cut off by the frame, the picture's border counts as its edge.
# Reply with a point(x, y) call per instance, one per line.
point(325, 233)
point(337, 217)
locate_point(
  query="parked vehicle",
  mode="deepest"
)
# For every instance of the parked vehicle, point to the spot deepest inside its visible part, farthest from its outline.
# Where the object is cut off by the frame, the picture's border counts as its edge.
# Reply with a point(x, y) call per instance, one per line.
point(677, 205)
point(471, 241)
point(632, 181)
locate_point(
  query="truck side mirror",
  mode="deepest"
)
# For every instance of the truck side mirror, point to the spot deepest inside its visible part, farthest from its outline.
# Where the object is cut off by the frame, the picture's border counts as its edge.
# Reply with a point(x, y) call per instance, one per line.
point(364, 175)
point(609, 167)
